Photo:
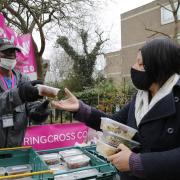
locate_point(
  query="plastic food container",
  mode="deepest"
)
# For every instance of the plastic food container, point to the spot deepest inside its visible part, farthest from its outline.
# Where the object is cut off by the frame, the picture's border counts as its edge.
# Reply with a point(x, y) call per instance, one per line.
point(19, 169)
point(64, 177)
point(104, 149)
point(47, 91)
point(2, 171)
point(117, 128)
point(59, 168)
point(78, 175)
point(114, 140)
point(77, 161)
point(70, 152)
point(51, 159)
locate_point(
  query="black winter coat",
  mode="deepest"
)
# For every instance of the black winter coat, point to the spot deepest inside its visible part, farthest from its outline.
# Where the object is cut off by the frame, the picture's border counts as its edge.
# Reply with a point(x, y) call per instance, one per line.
point(10, 103)
point(158, 133)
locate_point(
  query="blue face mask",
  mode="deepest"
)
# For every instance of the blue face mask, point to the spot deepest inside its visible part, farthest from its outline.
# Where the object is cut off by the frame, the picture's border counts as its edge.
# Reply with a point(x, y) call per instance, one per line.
point(140, 79)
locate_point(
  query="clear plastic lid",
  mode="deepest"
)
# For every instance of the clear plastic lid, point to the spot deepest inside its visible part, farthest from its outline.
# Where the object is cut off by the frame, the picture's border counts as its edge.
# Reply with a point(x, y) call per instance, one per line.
point(18, 169)
point(78, 161)
point(85, 173)
point(58, 168)
point(2, 171)
point(115, 139)
point(70, 152)
point(51, 159)
point(64, 177)
point(104, 149)
point(117, 128)
point(78, 175)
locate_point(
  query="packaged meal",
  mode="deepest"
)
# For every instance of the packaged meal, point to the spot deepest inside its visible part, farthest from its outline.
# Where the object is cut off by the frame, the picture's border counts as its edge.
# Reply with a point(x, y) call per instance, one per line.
point(64, 177)
point(2, 171)
point(117, 128)
point(70, 152)
point(104, 149)
point(51, 159)
point(78, 175)
point(114, 140)
point(47, 91)
point(77, 161)
point(59, 168)
point(18, 169)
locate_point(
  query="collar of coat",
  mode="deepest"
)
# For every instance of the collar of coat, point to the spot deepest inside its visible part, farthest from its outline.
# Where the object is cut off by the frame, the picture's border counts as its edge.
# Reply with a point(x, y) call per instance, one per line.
point(165, 107)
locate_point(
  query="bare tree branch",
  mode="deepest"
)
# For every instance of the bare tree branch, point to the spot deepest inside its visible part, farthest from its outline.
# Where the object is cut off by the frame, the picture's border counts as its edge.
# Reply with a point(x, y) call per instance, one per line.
point(39, 26)
point(164, 7)
point(12, 11)
point(156, 32)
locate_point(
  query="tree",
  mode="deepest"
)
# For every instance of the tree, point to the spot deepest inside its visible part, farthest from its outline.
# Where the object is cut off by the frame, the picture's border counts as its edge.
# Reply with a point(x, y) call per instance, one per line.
point(30, 15)
point(60, 66)
point(174, 8)
point(83, 63)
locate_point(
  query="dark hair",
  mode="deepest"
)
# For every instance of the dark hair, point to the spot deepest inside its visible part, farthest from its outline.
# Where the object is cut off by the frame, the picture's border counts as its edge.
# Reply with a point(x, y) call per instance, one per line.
point(161, 59)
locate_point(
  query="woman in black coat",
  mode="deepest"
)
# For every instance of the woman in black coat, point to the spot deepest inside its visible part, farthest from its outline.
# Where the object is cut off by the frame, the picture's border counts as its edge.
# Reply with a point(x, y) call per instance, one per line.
point(154, 111)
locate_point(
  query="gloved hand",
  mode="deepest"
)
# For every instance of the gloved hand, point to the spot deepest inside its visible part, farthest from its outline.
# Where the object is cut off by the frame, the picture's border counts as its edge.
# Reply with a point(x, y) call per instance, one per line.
point(35, 82)
point(28, 92)
point(40, 113)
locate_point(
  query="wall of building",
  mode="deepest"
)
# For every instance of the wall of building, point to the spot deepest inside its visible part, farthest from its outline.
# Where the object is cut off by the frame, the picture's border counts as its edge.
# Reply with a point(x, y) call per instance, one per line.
point(134, 35)
point(113, 67)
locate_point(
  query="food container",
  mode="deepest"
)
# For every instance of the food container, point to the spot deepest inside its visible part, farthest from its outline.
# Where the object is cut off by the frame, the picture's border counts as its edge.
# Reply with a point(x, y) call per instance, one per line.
point(104, 149)
point(59, 168)
point(47, 91)
point(117, 128)
point(51, 159)
point(78, 175)
point(2, 171)
point(70, 152)
point(19, 169)
point(64, 177)
point(114, 140)
point(77, 161)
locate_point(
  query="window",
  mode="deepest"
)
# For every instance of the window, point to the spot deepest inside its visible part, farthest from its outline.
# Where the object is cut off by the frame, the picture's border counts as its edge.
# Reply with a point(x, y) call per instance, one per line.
point(167, 15)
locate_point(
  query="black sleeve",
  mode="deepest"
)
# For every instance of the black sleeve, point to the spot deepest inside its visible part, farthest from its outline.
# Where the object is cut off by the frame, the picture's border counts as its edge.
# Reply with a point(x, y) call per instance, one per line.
point(162, 165)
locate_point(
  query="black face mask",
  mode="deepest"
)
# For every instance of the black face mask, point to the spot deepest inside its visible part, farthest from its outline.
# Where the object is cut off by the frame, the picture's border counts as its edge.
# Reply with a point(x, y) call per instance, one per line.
point(140, 79)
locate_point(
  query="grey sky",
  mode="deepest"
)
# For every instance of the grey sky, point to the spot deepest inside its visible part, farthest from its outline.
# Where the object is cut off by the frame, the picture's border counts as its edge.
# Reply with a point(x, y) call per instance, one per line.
point(109, 20)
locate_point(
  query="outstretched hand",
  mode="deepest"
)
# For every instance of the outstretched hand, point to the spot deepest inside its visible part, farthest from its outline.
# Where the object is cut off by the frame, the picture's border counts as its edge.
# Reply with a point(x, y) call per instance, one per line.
point(69, 104)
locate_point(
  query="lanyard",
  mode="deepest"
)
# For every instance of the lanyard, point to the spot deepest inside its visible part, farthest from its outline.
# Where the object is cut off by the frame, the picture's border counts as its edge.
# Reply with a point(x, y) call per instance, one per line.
point(5, 85)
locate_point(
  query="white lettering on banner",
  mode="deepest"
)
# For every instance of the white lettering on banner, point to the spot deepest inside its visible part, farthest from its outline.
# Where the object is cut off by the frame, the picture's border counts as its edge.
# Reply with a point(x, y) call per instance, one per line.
point(25, 47)
point(81, 135)
point(1, 32)
point(31, 68)
point(50, 138)
point(25, 69)
point(55, 138)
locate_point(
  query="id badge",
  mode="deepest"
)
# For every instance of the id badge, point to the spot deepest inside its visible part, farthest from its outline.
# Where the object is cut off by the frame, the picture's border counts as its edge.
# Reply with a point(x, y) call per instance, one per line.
point(7, 120)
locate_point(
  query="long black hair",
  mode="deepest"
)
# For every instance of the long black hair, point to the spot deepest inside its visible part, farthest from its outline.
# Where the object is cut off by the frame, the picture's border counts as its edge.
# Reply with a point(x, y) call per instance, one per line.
point(161, 59)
